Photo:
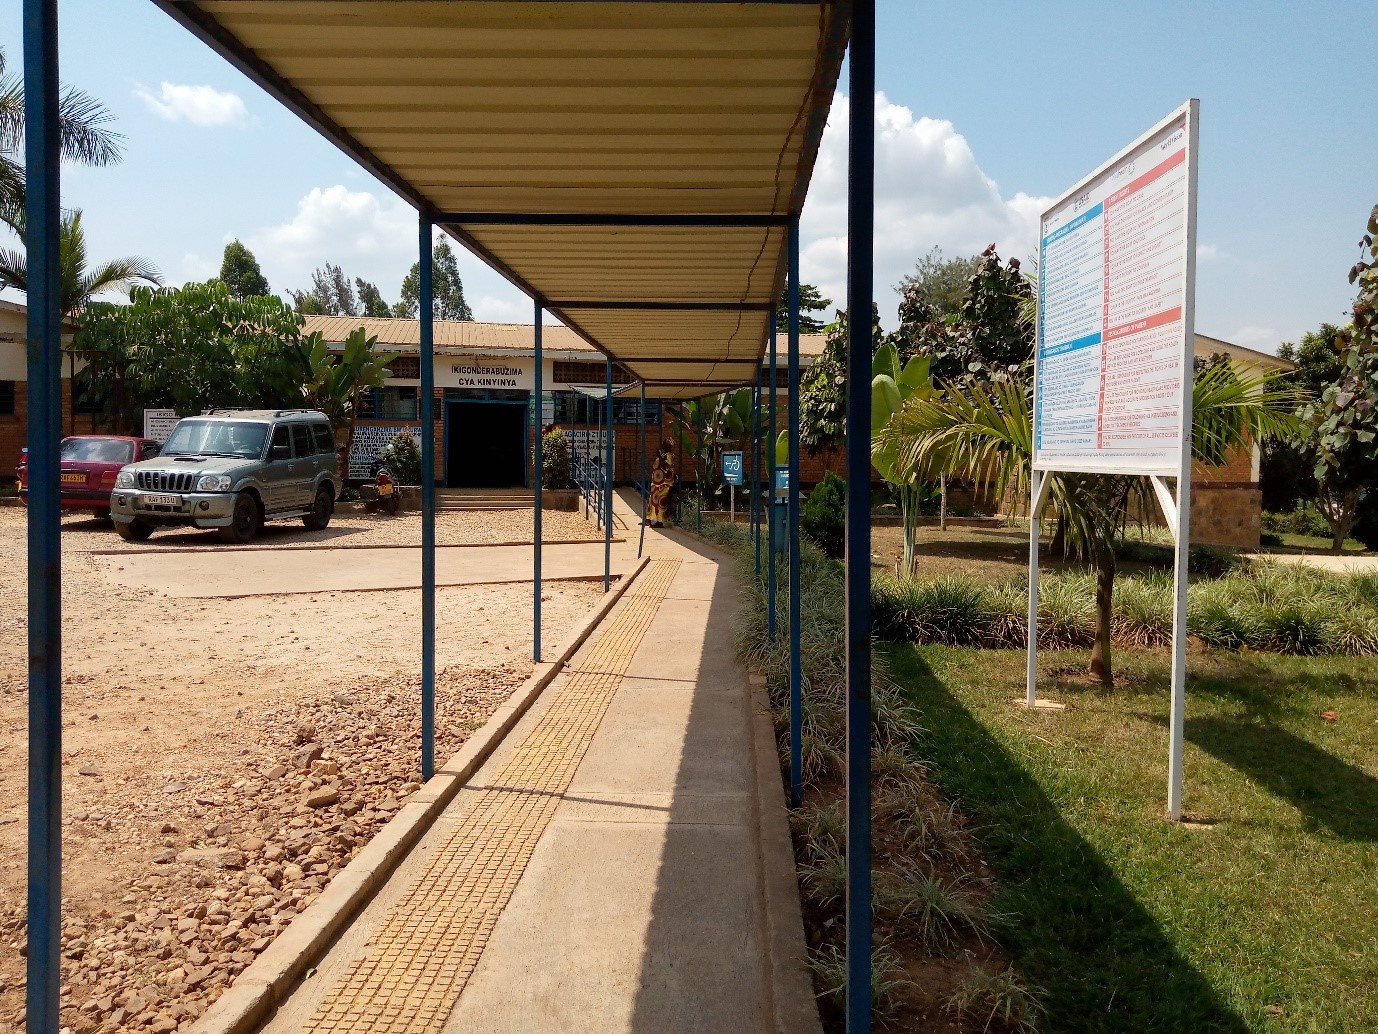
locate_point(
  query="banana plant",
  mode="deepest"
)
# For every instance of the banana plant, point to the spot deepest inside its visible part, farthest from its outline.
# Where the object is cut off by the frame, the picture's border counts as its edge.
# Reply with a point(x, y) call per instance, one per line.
point(338, 379)
point(892, 388)
point(704, 426)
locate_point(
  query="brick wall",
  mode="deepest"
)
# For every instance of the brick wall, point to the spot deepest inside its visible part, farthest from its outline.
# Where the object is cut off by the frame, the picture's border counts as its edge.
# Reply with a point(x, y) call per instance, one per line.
point(14, 429)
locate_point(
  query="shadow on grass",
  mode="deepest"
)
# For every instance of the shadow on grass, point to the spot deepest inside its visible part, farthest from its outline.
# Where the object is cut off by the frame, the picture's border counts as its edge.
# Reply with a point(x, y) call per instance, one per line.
point(1076, 931)
point(1327, 791)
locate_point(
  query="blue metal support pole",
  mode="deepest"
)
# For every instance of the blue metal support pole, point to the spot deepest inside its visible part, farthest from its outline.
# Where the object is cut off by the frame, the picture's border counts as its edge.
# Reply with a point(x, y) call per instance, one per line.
point(594, 452)
point(607, 490)
point(698, 485)
point(427, 313)
point(796, 679)
point(770, 470)
point(645, 484)
point(44, 218)
point(860, 289)
point(538, 476)
point(756, 471)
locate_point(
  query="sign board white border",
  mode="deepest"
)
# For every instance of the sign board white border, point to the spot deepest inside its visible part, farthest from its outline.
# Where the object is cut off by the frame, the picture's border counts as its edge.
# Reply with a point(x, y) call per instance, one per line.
point(1177, 510)
point(1137, 157)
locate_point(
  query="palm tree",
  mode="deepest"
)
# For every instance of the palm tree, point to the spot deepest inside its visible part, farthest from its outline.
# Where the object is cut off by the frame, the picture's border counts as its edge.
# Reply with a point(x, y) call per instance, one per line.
point(82, 129)
point(986, 430)
point(78, 283)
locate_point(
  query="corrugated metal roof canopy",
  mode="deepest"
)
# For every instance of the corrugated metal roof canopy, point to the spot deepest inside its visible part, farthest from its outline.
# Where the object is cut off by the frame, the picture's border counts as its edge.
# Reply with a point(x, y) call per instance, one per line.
point(631, 165)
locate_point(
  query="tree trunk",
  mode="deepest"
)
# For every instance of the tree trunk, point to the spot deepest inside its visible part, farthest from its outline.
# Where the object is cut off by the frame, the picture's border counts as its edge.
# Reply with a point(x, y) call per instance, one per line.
point(1105, 586)
point(908, 514)
point(1341, 512)
point(942, 502)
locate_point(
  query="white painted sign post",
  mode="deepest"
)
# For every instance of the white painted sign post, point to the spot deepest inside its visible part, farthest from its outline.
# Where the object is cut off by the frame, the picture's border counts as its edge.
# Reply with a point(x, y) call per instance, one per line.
point(1113, 364)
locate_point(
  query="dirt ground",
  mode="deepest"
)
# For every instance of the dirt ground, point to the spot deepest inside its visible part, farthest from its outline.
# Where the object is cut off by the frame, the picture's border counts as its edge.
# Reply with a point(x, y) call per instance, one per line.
point(222, 759)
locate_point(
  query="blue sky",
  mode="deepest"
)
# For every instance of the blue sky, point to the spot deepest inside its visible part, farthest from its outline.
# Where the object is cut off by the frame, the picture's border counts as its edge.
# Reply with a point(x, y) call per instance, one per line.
point(988, 111)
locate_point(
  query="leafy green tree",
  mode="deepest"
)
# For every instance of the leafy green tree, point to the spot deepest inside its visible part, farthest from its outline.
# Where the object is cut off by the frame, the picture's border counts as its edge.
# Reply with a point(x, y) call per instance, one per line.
point(370, 299)
point(1287, 469)
point(83, 130)
point(990, 333)
point(810, 300)
point(78, 281)
point(188, 349)
point(241, 273)
point(331, 294)
point(1344, 421)
point(938, 283)
point(338, 379)
point(823, 387)
point(985, 429)
point(447, 290)
point(892, 388)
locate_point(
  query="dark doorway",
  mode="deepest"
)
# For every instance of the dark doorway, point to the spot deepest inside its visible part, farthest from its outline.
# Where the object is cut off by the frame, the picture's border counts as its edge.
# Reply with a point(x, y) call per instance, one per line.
point(485, 444)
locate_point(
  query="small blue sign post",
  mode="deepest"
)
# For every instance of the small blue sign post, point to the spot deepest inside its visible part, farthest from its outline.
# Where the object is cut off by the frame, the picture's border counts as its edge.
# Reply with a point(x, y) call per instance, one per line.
point(734, 473)
point(779, 511)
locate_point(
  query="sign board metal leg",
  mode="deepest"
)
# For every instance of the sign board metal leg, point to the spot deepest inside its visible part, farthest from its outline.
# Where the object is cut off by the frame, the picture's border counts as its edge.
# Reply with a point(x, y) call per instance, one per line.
point(1037, 488)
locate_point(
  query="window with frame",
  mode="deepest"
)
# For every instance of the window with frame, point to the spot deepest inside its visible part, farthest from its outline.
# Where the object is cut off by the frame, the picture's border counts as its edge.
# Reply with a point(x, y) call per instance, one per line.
point(575, 408)
point(389, 404)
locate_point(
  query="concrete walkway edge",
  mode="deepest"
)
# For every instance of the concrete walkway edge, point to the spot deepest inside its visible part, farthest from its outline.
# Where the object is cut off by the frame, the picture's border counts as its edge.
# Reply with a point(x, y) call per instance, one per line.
point(266, 982)
point(796, 1009)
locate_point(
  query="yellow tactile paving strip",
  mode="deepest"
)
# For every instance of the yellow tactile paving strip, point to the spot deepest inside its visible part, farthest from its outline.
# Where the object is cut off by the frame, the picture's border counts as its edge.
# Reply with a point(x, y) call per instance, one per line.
point(423, 954)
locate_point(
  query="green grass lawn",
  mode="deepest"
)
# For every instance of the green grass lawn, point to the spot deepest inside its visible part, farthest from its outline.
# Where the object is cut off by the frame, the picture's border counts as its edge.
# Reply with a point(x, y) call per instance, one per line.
point(1311, 544)
point(1266, 921)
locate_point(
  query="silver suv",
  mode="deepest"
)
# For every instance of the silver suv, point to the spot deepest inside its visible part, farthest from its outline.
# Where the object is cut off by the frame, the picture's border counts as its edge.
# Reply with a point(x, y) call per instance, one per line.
point(233, 469)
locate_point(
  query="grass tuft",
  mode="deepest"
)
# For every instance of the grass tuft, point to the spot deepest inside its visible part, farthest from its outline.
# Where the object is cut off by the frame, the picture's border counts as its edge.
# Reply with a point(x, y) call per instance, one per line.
point(999, 1001)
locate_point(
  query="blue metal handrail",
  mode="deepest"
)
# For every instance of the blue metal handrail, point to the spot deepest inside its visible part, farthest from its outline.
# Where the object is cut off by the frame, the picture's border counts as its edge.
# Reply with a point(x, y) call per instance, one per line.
point(587, 474)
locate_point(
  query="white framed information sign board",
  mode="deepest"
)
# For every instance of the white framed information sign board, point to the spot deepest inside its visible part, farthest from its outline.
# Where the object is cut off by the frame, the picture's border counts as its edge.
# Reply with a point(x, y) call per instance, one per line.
point(1113, 366)
point(1113, 362)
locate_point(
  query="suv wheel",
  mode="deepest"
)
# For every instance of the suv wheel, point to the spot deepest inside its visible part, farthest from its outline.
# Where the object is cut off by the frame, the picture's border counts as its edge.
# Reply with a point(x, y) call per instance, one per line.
point(134, 531)
point(321, 510)
point(246, 521)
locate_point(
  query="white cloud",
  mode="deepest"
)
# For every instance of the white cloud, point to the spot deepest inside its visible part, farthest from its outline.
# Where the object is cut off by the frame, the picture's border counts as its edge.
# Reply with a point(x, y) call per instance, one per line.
point(1252, 337)
point(368, 236)
point(490, 309)
point(1210, 253)
point(929, 190)
point(199, 105)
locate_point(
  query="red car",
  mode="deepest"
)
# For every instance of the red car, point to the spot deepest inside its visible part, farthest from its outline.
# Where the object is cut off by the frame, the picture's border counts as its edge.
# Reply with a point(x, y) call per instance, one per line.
point(89, 465)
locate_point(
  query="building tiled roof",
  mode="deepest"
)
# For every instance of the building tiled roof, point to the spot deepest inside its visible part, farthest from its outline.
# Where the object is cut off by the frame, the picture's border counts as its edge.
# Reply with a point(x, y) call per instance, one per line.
point(483, 338)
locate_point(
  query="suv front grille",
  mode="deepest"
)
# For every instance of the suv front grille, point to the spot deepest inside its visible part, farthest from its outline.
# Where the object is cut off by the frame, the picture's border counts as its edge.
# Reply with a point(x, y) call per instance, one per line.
point(167, 480)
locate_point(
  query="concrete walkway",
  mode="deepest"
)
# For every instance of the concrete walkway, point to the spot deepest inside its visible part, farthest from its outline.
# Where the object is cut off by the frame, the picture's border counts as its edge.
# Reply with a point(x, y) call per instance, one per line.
point(620, 864)
point(1323, 561)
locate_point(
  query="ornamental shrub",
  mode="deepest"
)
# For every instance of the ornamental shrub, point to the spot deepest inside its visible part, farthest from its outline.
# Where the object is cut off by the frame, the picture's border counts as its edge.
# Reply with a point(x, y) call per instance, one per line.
point(823, 517)
point(554, 459)
point(403, 458)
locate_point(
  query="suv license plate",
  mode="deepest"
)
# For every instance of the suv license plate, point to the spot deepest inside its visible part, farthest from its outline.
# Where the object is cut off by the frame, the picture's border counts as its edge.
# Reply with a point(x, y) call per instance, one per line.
point(162, 500)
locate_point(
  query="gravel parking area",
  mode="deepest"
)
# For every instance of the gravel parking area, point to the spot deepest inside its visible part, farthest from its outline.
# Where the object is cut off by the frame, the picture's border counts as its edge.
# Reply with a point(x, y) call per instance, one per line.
point(224, 759)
